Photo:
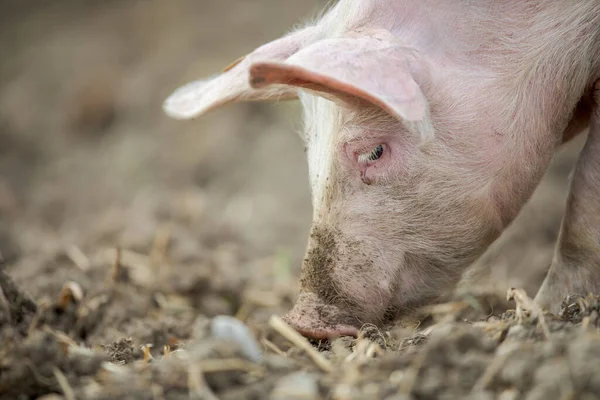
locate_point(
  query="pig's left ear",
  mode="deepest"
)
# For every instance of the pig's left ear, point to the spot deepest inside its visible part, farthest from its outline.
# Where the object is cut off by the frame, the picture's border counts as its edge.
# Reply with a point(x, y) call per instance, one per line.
point(348, 69)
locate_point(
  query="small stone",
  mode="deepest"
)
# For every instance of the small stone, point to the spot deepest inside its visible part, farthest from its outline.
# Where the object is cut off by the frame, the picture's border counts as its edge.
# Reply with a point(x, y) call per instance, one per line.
point(518, 332)
point(296, 386)
point(229, 328)
point(509, 394)
point(400, 397)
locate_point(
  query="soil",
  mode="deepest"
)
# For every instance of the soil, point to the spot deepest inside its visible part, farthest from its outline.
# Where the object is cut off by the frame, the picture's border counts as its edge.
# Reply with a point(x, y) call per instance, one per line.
point(123, 234)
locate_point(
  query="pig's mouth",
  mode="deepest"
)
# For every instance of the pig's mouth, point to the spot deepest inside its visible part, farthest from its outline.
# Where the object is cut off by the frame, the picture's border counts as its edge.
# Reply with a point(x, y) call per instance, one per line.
point(316, 320)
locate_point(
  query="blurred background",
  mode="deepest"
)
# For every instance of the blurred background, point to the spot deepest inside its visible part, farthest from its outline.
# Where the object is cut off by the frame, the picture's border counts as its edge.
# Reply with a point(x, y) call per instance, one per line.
point(88, 160)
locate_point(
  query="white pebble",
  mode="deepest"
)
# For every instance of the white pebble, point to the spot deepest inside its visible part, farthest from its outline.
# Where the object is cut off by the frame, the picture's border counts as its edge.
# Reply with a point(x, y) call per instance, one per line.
point(229, 328)
point(296, 386)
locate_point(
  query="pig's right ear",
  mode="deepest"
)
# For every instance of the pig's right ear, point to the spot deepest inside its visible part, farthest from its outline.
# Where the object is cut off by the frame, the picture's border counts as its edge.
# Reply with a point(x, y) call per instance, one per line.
point(374, 67)
point(199, 97)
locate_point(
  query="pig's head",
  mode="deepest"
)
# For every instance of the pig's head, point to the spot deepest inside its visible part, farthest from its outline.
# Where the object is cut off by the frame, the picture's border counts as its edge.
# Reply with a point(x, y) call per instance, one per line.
point(401, 203)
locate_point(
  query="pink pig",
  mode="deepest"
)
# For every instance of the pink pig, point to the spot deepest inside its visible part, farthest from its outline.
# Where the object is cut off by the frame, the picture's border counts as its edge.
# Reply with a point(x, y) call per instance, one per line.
point(428, 125)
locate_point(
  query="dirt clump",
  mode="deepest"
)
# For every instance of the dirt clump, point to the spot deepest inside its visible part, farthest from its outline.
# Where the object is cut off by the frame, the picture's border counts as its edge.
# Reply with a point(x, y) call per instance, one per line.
point(121, 352)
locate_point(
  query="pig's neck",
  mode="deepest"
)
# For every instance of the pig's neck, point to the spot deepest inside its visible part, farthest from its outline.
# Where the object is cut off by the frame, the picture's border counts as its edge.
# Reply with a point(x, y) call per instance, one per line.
point(514, 72)
point(548, 64)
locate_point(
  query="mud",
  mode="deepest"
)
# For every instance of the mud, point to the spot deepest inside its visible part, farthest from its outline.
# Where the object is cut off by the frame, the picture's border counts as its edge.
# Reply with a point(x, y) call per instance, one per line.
point(317, 270)
point(123, 233)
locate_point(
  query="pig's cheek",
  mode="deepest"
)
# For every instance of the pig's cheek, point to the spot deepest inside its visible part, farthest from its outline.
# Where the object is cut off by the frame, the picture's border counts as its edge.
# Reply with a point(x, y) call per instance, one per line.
point(384, 284)
point(370, 286)
point(374, 296)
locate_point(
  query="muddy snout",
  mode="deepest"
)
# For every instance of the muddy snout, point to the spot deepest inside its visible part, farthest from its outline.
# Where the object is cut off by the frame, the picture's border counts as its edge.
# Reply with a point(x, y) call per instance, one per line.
point(340, 287)
point(317, 320)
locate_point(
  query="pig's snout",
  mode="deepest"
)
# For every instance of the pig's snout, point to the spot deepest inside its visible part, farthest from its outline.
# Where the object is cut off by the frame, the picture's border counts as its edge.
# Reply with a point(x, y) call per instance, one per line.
point(341, 286)
point(316, 320)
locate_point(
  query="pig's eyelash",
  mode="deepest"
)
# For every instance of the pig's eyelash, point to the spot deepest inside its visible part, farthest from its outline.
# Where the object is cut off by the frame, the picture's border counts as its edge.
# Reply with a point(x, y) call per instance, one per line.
point(372, 155)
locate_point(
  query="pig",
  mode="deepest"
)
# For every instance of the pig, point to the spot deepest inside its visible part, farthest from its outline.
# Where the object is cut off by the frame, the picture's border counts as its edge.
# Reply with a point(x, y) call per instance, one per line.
point(428, 124)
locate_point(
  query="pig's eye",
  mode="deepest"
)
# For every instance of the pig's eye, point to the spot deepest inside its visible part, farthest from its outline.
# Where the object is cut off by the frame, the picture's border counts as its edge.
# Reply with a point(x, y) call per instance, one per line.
point(373, 155)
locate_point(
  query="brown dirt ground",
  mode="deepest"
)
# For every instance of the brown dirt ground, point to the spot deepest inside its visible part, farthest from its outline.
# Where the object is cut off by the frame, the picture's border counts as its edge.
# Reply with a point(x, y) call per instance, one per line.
point(123, 233)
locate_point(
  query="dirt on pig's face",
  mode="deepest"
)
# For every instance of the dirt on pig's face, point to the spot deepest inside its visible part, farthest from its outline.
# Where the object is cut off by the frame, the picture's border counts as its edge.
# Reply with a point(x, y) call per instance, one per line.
point(391, 230)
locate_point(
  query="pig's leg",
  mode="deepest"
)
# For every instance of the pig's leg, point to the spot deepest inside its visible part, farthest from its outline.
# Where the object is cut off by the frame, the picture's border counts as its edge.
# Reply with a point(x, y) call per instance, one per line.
point(576, 264)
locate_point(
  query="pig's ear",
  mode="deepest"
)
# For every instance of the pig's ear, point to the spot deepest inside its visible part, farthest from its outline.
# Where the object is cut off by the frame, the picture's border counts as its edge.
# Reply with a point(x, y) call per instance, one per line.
point(374, 69)
point(199, 97)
